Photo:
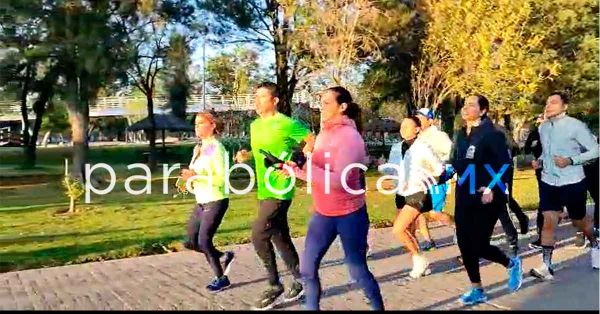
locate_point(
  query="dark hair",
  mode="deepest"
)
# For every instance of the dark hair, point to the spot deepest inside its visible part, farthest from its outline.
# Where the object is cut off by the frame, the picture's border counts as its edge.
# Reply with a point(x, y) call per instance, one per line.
point(272, 87)
point(415, 119)
point(563, 96)
point(352, 111)
point(484, 103)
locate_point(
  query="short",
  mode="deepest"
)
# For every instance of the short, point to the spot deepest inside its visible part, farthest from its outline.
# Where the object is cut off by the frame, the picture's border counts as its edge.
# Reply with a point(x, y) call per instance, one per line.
point(438, 196)
point(420, 201)
point(572, 196)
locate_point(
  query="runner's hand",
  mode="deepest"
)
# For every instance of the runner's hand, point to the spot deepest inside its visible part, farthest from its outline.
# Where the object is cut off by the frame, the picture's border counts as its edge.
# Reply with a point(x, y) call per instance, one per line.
point(487, 195)
point(242, 156)
point(561, 161)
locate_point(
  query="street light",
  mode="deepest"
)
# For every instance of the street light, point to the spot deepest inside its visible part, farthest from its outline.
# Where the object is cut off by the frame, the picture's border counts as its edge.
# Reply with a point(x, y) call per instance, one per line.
point(204, 32)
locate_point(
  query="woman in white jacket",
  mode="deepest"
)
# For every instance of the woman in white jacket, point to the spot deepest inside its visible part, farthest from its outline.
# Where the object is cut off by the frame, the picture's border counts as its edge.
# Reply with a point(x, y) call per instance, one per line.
point(414, 167)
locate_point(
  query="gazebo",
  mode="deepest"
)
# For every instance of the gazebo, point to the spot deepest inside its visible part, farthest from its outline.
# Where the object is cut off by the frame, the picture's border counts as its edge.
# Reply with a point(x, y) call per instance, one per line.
point(163, 122)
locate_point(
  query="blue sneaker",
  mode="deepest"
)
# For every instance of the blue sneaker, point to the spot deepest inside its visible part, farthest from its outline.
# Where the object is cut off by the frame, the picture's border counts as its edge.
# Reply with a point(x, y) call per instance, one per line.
point(475, 296)
point(515, 274)
point(428, 246)
point(218, 284)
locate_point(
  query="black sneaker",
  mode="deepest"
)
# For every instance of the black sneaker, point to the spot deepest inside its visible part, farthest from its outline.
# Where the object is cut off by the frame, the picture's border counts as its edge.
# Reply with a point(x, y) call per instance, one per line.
point(536, 245)
point(268, 299)
point(524, 224)
point(580, 240)
point(218, 284)
point(189, 245)
point(229, 257)
point(294, 292)
point(596, 233)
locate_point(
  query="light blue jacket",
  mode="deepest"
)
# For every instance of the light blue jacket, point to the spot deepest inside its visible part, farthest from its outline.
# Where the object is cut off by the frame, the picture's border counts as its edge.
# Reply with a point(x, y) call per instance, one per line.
point(567, 137)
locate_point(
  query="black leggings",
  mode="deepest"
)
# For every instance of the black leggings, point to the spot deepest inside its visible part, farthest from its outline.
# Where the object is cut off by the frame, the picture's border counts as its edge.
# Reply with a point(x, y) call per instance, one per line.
point(272, 225)
point(591, 177)
point(474, 228)
point(202, 226)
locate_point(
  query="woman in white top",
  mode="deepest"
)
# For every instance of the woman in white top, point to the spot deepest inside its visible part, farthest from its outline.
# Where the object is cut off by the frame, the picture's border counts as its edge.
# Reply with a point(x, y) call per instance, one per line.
point(414, 167)
point(207, 172)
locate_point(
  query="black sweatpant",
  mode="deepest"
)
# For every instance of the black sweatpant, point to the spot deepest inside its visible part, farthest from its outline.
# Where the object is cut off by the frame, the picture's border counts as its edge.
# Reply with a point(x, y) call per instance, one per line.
point(202, 226)
point(591, 179)
point(474, 228)
point(272, 225)
point(512, 236)
point(539, 222)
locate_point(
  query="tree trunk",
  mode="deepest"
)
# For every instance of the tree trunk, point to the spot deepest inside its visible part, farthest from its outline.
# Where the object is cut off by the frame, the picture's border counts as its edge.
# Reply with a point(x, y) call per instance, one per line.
point(79, 120)
point(152, 132)
point(79, 125)
point(27, 162)
point(39, 107)
point(71, 205)
point(280, 43)
point(45, 139)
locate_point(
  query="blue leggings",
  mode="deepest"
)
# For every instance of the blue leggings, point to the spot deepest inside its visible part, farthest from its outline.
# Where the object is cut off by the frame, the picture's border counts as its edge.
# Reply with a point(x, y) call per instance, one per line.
point(352, 229)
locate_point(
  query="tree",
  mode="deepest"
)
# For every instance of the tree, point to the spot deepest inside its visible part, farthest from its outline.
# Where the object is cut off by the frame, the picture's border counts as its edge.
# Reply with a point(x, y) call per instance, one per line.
point(56, 120)
point(233, 73)
point(486, 47)
point(148, 42)
point(335, 36)
point(27, 68)
point(178, 83)
point(268, 22)
point(386, 85)
point(291, 27)
point(513, 52)
point(148, 31)
point(90, 47)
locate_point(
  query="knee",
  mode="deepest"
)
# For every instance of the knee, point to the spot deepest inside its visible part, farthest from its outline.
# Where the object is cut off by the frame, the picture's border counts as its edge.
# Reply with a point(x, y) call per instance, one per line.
point(203, 244)
point(308, 268)
point(399, 228)
point(259, 231)
point(359, 271)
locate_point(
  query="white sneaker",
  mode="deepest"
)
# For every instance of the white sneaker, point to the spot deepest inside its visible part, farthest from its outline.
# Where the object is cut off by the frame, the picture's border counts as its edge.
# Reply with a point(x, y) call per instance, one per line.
point(542, 272)
point(420, 265)
point(595, 252)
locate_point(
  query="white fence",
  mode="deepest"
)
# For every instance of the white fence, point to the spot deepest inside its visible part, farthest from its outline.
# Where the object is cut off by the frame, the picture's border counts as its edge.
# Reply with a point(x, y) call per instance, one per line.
point(130, 105)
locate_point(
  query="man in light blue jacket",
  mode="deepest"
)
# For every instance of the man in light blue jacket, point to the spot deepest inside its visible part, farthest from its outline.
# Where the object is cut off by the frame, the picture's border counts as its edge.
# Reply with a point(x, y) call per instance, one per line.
point(567, 143)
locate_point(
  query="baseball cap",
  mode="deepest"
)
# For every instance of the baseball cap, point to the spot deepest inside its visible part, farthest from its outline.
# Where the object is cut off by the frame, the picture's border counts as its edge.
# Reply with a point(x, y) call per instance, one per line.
point(426, 112)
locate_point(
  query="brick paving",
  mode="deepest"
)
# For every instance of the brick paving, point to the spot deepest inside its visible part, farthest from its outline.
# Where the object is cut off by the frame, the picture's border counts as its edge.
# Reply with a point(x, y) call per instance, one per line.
point(176, 281)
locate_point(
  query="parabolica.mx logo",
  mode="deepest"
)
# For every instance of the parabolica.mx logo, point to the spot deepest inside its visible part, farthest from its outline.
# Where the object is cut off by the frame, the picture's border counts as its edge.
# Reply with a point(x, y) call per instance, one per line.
point(416, 180)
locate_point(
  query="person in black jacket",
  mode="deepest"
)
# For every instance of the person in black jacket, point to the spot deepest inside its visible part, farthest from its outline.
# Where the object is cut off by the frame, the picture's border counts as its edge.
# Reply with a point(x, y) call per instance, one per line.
point(481, 149)
point(507, 224)
point(591, 179)
point(533, 145)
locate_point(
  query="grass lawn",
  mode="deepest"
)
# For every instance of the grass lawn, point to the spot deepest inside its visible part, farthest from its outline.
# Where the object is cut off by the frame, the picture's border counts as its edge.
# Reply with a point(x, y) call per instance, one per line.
point(119, 225)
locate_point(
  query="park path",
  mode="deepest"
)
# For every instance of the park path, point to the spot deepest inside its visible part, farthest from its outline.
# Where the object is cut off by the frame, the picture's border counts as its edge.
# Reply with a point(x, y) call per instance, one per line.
point(176, 281)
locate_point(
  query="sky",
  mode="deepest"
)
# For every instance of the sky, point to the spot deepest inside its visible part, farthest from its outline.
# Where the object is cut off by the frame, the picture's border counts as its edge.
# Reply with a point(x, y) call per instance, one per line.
point(266, 55)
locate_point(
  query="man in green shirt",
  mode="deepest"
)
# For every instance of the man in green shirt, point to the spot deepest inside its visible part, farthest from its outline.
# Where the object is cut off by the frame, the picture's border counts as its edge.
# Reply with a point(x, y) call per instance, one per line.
point(279, 135)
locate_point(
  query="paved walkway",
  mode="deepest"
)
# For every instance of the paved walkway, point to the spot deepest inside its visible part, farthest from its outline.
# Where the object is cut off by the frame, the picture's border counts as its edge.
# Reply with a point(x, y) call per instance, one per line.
point(177, 280)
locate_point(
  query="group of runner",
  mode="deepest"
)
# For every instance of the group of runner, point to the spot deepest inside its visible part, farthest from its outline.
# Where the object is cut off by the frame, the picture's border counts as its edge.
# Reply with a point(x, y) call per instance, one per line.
point(418, 171)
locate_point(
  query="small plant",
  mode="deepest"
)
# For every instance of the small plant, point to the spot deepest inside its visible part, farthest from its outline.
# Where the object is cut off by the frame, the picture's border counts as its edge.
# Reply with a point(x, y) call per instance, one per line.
point(74, 188)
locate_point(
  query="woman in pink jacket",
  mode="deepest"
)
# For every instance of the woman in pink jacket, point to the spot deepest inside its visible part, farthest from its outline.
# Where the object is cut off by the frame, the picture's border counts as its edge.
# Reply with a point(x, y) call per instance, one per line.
point(336, 175)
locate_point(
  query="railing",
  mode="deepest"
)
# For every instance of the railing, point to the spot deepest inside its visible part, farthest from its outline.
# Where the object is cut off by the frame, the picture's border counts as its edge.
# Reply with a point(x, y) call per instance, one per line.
point(136, 105)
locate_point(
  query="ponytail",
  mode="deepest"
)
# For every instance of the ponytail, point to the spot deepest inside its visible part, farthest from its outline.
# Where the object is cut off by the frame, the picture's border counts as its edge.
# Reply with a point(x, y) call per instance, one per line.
point(353, 110)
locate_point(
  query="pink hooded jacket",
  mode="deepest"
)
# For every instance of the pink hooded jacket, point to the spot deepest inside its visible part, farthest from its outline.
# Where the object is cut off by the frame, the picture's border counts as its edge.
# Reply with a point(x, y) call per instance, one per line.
point(337, 146)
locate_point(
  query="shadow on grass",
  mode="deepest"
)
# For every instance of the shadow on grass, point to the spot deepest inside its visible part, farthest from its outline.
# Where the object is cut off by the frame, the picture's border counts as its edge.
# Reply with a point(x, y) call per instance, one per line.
point(78, 254)
point(55, 237)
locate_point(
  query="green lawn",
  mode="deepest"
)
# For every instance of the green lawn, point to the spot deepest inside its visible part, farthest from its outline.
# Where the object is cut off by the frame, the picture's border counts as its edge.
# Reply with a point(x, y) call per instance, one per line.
point(119, 225)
